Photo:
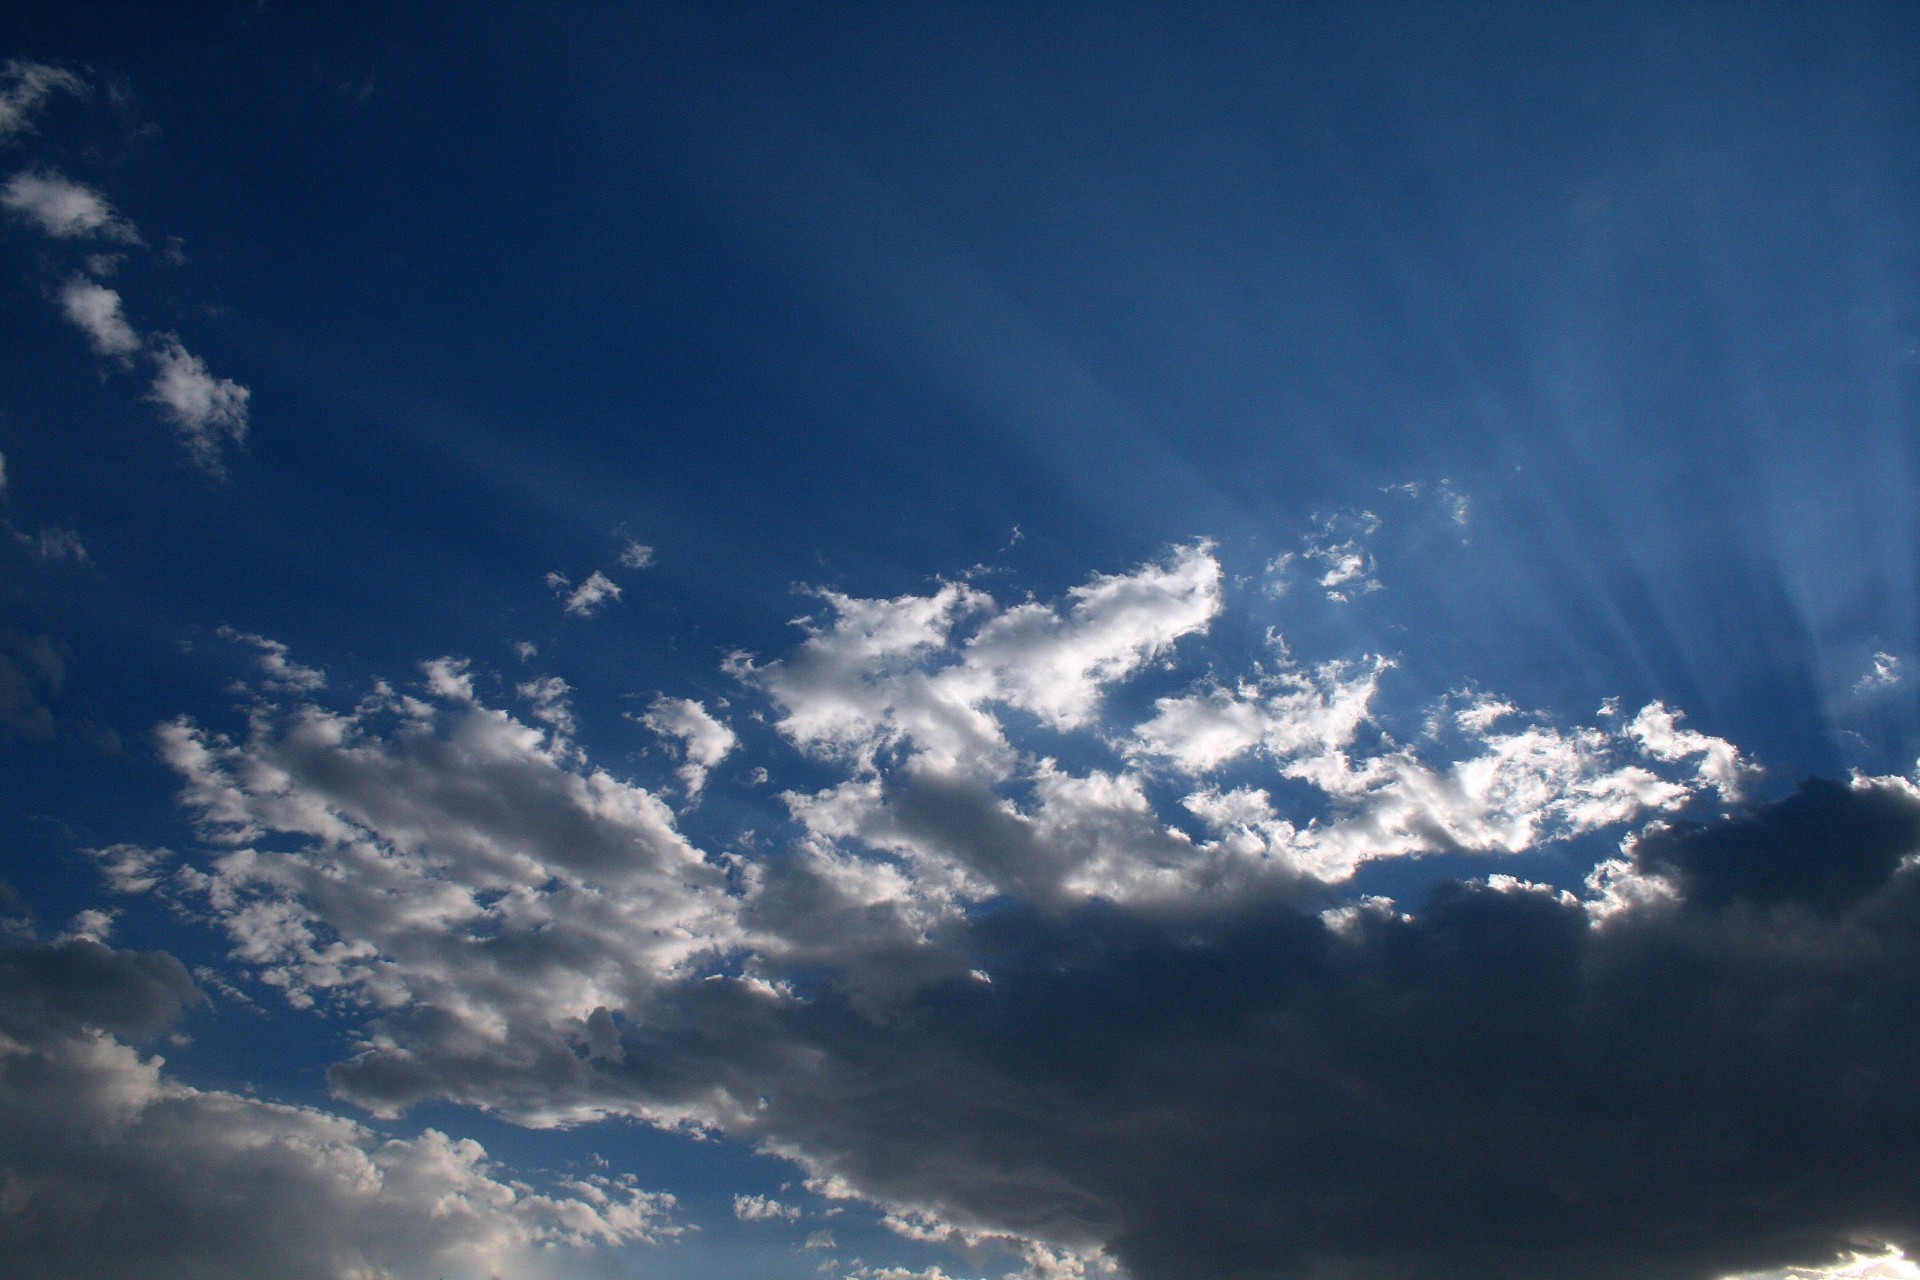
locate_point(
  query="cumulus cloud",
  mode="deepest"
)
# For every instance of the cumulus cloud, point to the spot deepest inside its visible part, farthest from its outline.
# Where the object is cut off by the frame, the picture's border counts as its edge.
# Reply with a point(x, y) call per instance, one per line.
point(552, 703)
point(209, 412)
point(586, 599)
point(457, 863)
point(24, 87)
point(763, 1209)
point(636, 556)
point(110, 1167)
point(1015, 995)
point(65, 209)
point(95, 309)
point(703, 741)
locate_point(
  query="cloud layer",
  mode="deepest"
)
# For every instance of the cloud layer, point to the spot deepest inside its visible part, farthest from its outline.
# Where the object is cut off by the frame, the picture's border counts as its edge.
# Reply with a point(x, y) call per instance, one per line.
point(1116, 1012)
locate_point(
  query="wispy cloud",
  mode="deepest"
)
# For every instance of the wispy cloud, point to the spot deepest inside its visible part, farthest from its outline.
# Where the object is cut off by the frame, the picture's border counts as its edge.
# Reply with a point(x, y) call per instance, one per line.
point(24, 87)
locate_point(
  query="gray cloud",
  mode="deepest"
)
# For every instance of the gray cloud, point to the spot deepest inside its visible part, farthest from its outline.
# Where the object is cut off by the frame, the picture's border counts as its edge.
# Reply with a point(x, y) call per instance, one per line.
point(111, 1168)
point(1001, 998)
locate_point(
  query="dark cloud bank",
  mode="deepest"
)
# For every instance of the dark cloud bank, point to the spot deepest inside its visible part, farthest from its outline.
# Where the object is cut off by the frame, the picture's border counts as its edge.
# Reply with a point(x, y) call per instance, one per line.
point(1723, 1076)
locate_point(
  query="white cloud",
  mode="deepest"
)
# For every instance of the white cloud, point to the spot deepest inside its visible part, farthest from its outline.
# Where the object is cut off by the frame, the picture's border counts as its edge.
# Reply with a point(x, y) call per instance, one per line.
point(762, 1209)
point(635, 556)
point(1884, 674)
point(1289, 715)
point(551, 699)
point(24, 86)
point(1338, 547)
point(1890, 1265)
point(96, 310)
point(130, 868)
point(525, 931)
point(1658, 732)
point(704, 742)
point(209, 412)
point(281, 673)
point(450, 857)
point(65, 209)
point(586, 599)
point(893, 672)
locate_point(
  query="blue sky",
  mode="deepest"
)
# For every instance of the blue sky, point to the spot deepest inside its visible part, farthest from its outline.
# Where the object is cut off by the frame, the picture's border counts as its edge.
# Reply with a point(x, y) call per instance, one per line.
point(932, 642)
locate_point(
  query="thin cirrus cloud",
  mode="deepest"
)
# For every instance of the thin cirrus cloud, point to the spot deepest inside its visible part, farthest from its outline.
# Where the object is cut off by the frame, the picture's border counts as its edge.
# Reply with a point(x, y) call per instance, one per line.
point(1256, 1080)
point(25, 87)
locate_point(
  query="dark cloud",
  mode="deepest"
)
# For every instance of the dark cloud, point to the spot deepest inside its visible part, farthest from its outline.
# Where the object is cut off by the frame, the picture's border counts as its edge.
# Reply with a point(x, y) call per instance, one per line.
point(74, 985)
point(1497, 1087)
point(109, 1168)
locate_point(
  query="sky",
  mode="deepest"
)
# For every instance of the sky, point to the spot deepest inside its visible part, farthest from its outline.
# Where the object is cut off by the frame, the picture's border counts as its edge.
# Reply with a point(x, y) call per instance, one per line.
point(960, 641)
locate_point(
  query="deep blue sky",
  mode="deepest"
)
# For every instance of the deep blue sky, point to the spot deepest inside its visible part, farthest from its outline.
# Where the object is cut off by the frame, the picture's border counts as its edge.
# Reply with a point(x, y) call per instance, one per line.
point(1593, 332)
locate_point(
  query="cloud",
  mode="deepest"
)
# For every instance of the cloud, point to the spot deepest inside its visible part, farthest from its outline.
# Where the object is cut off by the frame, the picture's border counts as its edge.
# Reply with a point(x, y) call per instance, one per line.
point(704, 742)
point(24, 86)
point(550, 697)
point(110, 1167)
point(451, 863)
point(32, 670)
point(1188, 1055)
point(636, 556)
point(280, 673)
point(586, 599)
point(65, 209)
point(1884, 674)
point(762, 1209)
point(209, 412)
point(1494, 1086)
point(50, 544)
point(1889, 1265)
point(1338, 546)
point(95, 309)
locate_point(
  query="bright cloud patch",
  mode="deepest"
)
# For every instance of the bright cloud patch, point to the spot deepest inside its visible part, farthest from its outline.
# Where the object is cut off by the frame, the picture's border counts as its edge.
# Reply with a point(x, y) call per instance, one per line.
point(95, 310)
point(65, 209)
point(209, 412)
point(589, 597)
point(702, 740)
